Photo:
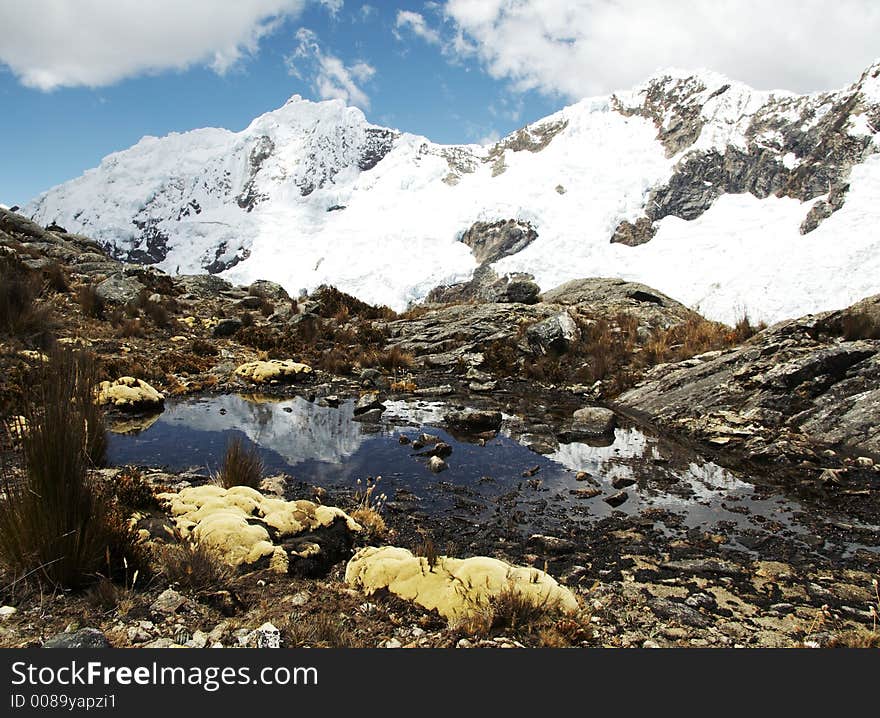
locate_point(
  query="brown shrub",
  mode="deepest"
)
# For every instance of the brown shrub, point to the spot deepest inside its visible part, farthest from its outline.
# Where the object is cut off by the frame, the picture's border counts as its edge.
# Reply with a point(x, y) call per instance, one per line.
point(21, 315)
point(55, 278)
point(89, 301)
point(203, 348)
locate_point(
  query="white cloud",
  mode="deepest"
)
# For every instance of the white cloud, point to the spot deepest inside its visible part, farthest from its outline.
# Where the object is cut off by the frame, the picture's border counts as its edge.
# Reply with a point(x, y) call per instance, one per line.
point(367, 11)
point(333, 6)
point(55, 43)
point(331, 78)
point(577, 48)
point(415, 23)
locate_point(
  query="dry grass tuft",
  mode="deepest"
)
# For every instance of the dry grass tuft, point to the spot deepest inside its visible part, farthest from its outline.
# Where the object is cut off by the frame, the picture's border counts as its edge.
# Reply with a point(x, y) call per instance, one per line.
point(21, 315)
point(89, 301)
point(368, 508)
point(56, 525)
point(194, 567)
point(242, 466)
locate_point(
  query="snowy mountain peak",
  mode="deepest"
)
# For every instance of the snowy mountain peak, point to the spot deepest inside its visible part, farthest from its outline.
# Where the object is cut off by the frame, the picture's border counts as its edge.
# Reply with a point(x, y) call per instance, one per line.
point(715, 193)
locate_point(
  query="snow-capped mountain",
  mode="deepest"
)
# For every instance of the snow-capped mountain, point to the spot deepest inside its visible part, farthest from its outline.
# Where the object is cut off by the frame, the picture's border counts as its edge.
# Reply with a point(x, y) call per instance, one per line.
point(721, 196)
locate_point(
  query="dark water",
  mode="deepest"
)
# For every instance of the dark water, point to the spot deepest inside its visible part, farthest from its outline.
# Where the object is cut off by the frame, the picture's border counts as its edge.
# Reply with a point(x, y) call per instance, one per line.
point(325, 446)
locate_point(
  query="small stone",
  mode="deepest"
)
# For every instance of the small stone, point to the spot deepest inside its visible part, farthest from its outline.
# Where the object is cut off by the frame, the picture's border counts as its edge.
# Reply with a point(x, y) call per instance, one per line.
point(372, 416)
point(7, 611)
point(161, 643)
point(136, 634)
point(218, 632)
point(473, 420)
point(464, 643)
point(368, 402)
point(865, 462)
point(168, 602)
point(301, 598)
point(701, 600)
point(227, 327)
point(199, 640)
point(615, 500)
point(551, 544)
point(441, 449)
point(436, 464)
point(648, 643)
point(590, 493)
point(391, 643)
point(267, 636)
point(621, 482)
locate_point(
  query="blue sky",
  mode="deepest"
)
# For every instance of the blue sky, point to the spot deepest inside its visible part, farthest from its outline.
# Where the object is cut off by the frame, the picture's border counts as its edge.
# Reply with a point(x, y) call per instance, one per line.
point(81, 80)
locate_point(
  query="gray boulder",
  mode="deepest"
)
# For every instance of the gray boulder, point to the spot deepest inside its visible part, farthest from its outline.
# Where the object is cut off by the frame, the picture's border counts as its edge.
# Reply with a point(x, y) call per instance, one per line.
point(554, 334)
point(592, 422)
point(119, 289)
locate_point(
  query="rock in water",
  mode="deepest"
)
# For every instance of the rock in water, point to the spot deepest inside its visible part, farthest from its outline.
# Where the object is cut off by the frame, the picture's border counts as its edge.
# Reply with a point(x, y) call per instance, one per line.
point(474, 420)
point(592, 422)
point(436, 464)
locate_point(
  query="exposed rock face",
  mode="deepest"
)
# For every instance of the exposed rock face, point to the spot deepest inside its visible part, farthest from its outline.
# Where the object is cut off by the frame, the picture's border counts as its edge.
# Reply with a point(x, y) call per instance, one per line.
point(610, 296)
point(797, 385)
point(490, 241)
point(487, 286)
point(448, 336)
point(634, 234)
point(453, 587)
point(787, 146)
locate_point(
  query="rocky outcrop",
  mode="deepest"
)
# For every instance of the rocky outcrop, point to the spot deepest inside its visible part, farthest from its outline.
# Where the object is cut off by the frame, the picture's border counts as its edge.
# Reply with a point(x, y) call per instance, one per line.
point(632, 234)
point(788, 146)
point(487, 286)
point(795, 387)
point(448, 337)
point(490, 241)
point(603, 296)
point(119, 289)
